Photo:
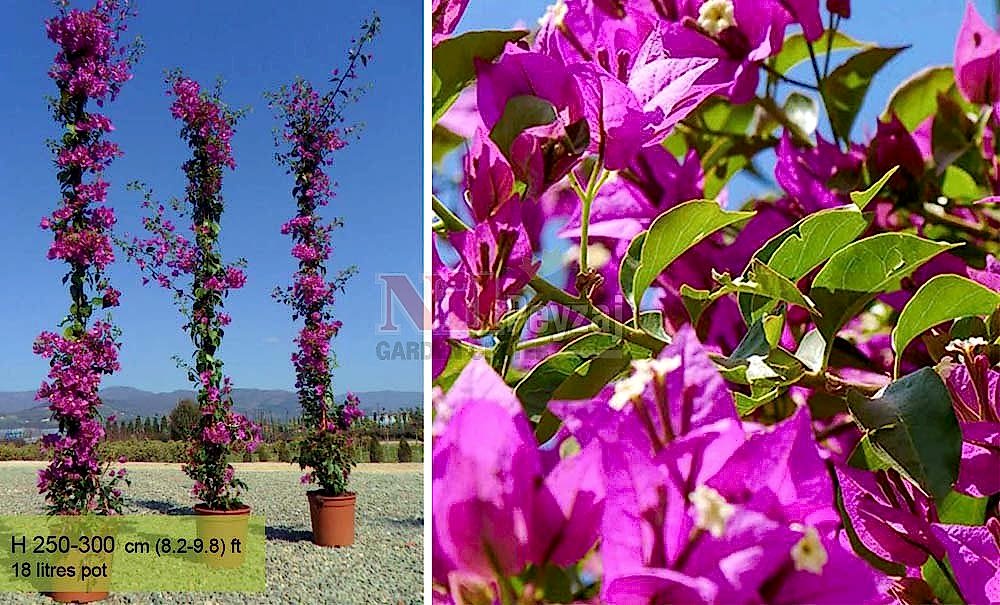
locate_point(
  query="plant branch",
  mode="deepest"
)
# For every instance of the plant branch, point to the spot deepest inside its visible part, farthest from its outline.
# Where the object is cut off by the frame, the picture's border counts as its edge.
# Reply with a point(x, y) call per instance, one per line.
point(548, 339)
point(449, 219)
point(819, 87)
point(597, 316)
point(789, 80)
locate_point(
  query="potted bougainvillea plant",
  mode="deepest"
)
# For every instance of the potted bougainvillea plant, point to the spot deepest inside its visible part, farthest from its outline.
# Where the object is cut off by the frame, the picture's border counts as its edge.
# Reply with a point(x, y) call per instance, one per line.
point(192, 268)
point(312, 129)
point(793, 398)
point(90, 66)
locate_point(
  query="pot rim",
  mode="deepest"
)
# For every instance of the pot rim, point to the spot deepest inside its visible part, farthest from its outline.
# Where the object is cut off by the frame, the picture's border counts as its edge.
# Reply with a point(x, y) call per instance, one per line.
point(203, 509)
point(318, 493)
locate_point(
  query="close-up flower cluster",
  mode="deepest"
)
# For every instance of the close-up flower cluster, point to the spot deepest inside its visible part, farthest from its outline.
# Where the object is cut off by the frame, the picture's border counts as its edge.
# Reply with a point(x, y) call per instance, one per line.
point(90, 66)
point(648, 391)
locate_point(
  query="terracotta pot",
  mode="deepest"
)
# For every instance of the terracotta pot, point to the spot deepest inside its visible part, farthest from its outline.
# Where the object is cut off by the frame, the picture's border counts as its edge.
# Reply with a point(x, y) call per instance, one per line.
point(75, 590)
point(77, 597)
point(332, 518)
point(225, 526)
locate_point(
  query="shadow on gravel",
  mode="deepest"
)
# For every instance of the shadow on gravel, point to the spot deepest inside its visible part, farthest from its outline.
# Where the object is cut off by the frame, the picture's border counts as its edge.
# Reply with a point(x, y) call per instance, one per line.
point(411, 522)
point(287, 534)
point(164, 508)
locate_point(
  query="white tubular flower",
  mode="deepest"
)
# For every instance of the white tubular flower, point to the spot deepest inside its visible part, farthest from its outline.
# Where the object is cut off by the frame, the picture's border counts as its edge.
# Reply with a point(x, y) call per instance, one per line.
point(711, 511)
point(808, 553)
point(960, 345)
point(716, 16)
point(554, 14)
point(630, 388)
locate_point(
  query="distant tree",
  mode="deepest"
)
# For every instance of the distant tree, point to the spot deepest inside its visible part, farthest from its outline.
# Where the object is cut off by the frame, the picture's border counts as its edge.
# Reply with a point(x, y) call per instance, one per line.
point(375, 453)
point(184, 420)
point(404, 453)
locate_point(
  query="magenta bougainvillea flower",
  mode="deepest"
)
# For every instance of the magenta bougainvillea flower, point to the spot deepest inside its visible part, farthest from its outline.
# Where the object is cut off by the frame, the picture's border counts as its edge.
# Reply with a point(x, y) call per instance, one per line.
point(445, 15)
point(977, 59)
point(496, 510)
point(496, 264)
point(806, 173)
point(540, 154)
point(989, 276)
point(90, 66)
point(975, 391)
point(635, 92)
point(974, 554)
point(739, 34)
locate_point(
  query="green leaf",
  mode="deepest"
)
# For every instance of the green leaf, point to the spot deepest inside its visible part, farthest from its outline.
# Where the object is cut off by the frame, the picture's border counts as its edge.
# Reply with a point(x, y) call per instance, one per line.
point(942, 298)
point(867, 457)
point(804, 246)
point(651, 322)
point(541, 383)
point(916, 99)
point(519, 114)
point(914, 426)
point(845, 88)
point(671, 234)
point(443, 141)
point(747, 404)
point(629, 265)
point(774, 285)
point(952, 133)
point(960, 509)
point(754, 342)
point(695, 302)
point(795, 49)
point(862, 198)
point(858, 272)
point(453, 62)
point(939, 582)
point(461, 354)
point(959, 185)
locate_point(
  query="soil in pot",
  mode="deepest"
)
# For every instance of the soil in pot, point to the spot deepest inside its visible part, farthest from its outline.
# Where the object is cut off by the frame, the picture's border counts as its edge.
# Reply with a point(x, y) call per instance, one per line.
point(332, 518)
point(225, 533)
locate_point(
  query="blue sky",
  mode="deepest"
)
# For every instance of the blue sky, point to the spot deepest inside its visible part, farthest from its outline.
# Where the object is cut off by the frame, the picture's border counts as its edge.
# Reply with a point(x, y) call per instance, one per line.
point(255, 45)
point(929, 26)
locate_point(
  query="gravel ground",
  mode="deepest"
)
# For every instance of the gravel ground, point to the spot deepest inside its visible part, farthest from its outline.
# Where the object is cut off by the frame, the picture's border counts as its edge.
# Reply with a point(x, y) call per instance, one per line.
point(384, 567)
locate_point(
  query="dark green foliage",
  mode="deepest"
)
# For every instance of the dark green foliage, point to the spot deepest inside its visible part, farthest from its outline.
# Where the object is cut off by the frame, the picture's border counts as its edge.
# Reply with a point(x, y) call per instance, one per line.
point(404, 453)
point(183, 420)
point(375, 451)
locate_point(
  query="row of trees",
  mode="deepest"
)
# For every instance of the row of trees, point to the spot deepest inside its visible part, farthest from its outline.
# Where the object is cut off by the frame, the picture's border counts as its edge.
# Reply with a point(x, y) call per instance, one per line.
point(181, 424)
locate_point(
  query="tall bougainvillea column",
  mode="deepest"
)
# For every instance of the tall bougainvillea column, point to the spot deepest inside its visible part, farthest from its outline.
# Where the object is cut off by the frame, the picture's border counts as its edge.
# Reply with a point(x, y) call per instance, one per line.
point(89, 66)
point(312, 130)
point(200, 280)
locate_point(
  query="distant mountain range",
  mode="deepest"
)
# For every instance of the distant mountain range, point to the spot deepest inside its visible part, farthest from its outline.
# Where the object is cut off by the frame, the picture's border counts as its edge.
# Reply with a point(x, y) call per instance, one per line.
point(18, 409)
